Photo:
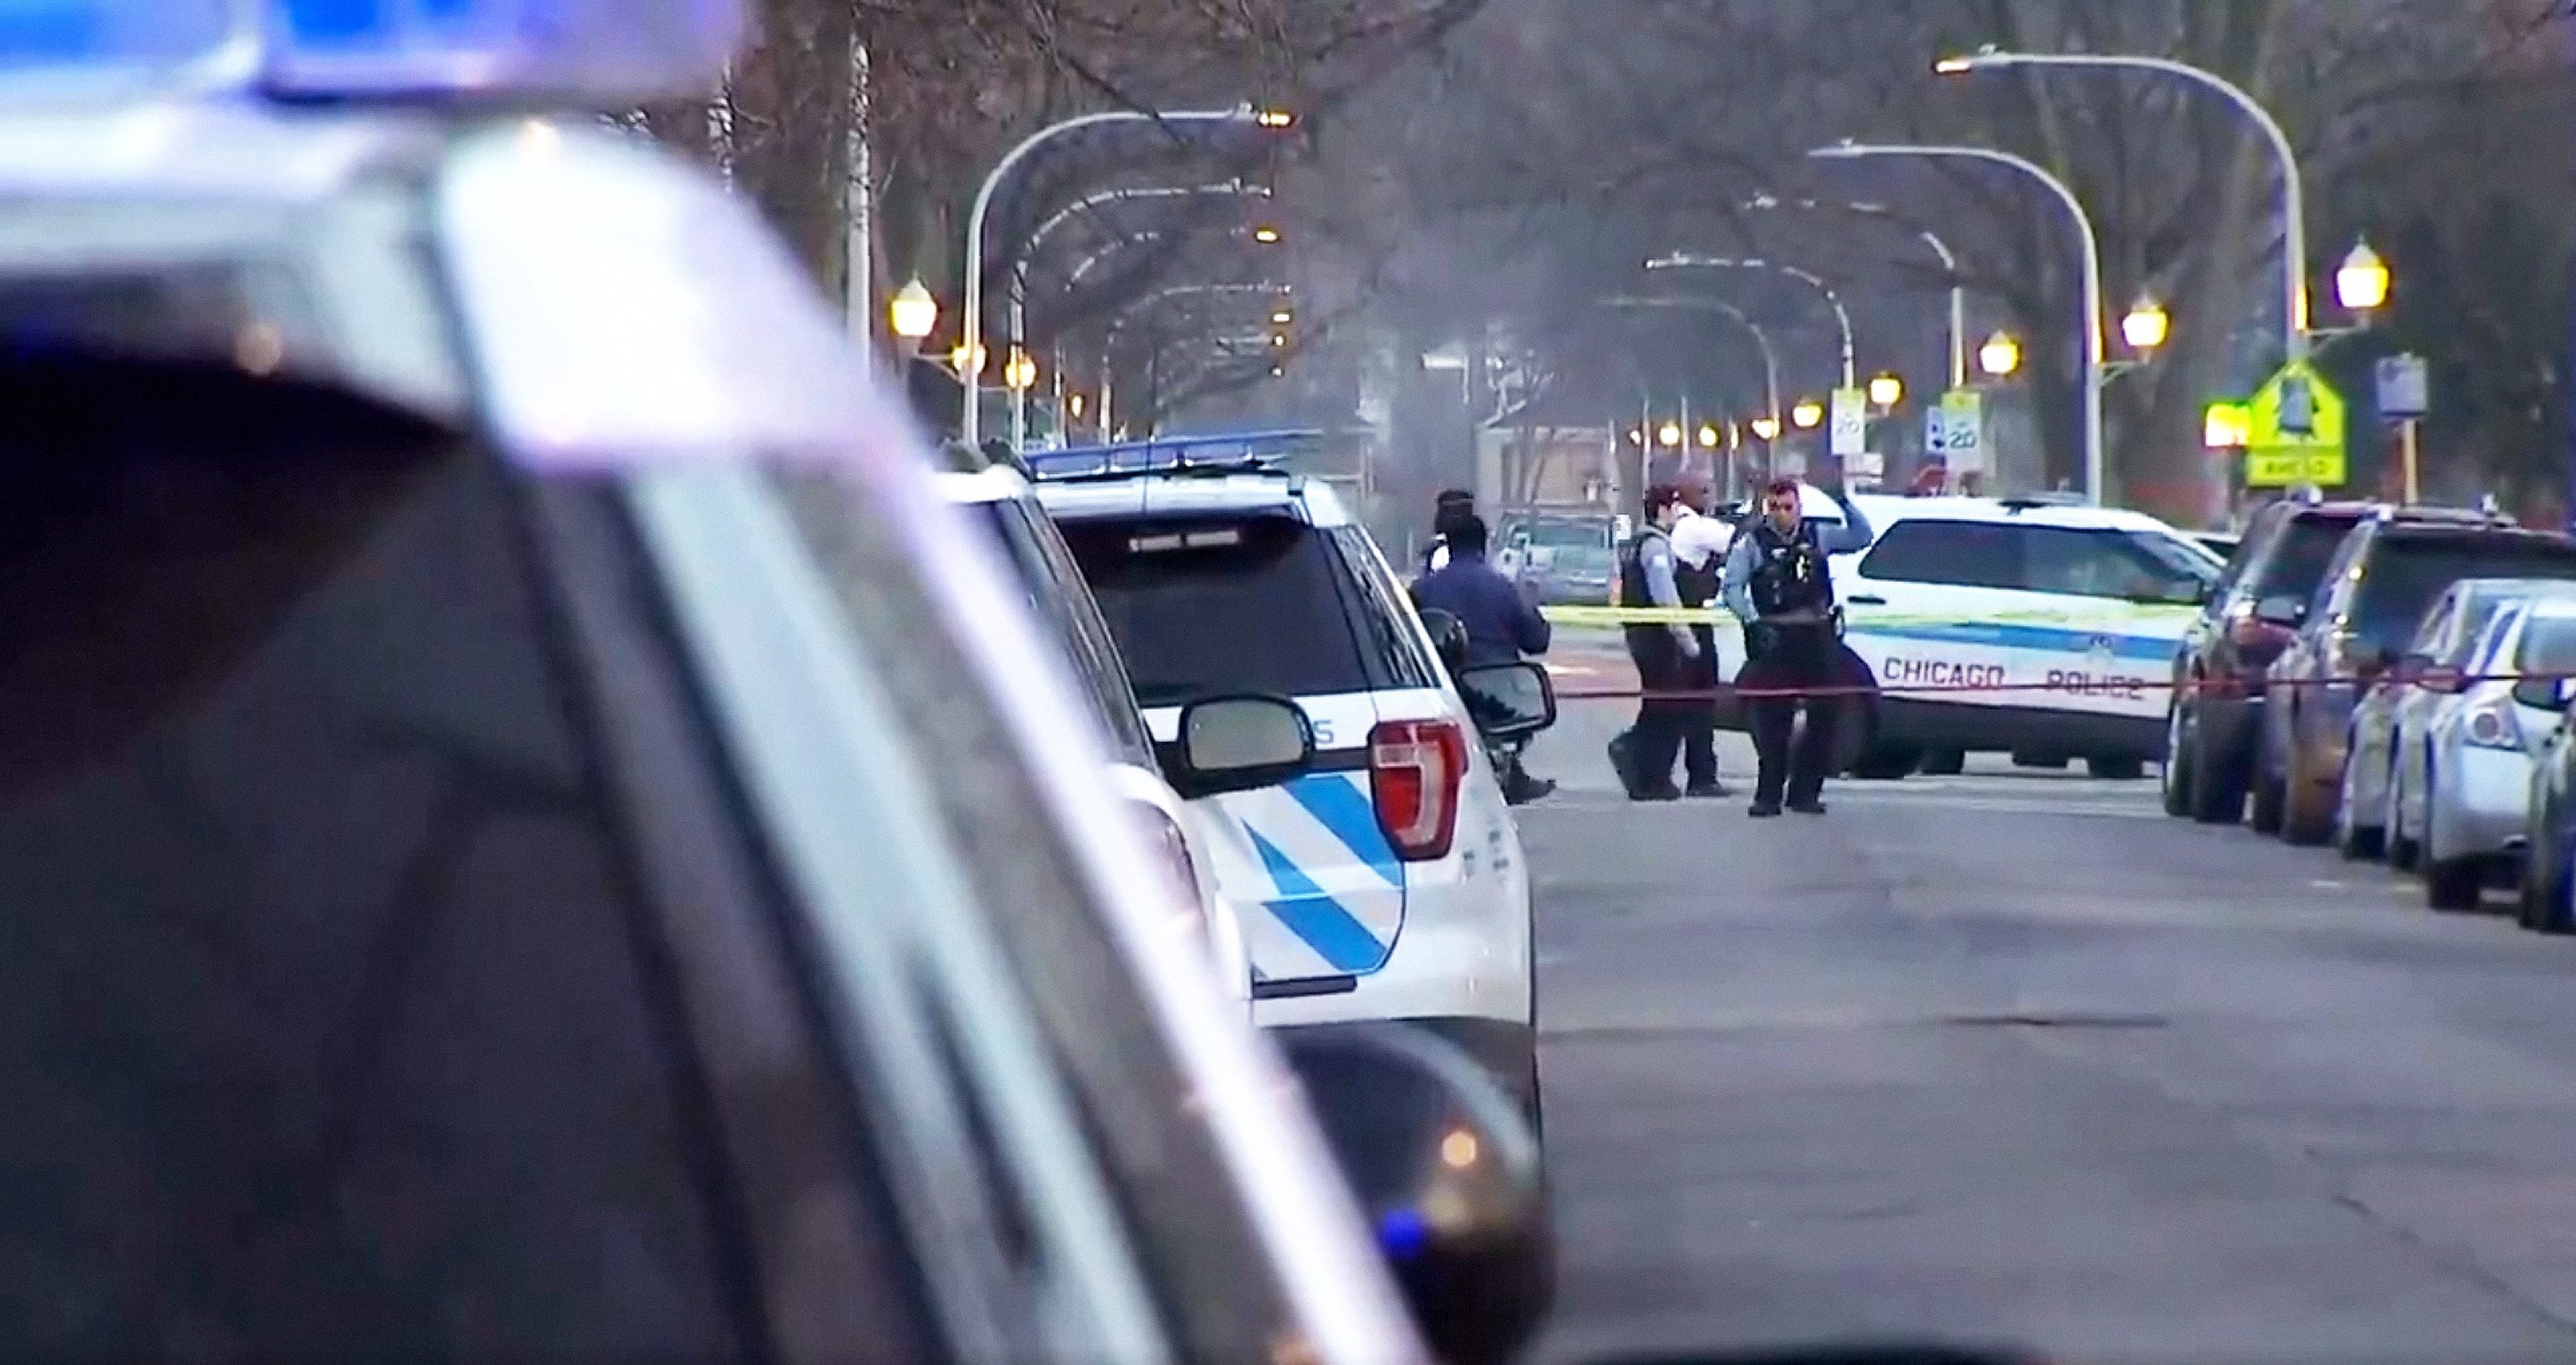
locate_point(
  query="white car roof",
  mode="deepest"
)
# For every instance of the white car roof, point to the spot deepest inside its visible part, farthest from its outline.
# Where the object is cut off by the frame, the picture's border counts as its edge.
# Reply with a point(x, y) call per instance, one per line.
point(1312, 500)
point(1882, 510)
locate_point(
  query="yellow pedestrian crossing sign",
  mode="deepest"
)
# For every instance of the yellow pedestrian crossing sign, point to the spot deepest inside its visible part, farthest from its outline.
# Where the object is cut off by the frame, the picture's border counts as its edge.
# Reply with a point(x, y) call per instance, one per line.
point(2295, 431)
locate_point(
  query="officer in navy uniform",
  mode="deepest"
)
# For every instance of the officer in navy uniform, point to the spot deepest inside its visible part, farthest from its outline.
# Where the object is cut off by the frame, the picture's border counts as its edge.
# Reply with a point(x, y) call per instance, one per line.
point(1666, 655)
point(1780, 585)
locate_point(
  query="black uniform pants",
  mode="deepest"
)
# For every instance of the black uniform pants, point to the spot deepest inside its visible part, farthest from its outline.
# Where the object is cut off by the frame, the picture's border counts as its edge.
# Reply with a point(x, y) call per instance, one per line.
point(1795, 657)
point(1664, 724)
point(1699, 722)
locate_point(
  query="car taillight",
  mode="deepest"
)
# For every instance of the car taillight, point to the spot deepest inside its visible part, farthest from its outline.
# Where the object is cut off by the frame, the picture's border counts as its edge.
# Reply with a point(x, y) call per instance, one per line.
point(1416, 768)
point(1167, 839)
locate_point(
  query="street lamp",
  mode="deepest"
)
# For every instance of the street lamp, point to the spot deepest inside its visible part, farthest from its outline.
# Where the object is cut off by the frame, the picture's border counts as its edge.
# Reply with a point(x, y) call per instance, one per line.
point(1266, 235)
point(967, 360)
point(2000, 356)
point(1940, 248)
point(2294, 217)
point(1808, 415)
point(1669, 435)
point(2362, 281)
point(1768, 428)
point(1842, 315)
point(1886, 390)
point(1020, 371)
point(913, 313)
point(1709, 436)
point(2089, 282)
point(973, 322)
point(2146, 326)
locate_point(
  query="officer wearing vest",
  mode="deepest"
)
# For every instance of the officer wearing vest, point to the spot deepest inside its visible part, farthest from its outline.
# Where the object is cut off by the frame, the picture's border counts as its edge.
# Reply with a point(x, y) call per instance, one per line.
point(1699, 565)
point(1670, 657)
point(1780, 584)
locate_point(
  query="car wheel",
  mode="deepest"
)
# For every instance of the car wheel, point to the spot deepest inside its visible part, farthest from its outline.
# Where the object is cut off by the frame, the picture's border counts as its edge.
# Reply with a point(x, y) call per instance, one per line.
point(1944, 763)
point(2554, 908)
point(2357, 842)
point(2402, 851)
point(1886, 763)
point(2449, 883)
point(2176, 777)
point(2266, 814)
point(2116, 767)
point(2217, 779)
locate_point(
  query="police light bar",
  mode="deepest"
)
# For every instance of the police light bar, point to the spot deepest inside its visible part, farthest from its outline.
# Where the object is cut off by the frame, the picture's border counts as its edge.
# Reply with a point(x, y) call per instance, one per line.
point(604, 52)
point(1166, 454)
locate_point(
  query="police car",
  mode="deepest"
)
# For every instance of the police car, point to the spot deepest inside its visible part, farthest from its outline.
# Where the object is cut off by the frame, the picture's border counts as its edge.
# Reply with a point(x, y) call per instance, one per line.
point(999, 499)
point(1386, 881)
point(2031, 626)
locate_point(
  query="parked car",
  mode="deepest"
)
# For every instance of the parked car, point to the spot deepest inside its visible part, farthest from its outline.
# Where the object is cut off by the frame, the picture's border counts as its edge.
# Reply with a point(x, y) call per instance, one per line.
point(2462, 804)
point(998, 498)
point(1385, 880)
point(2383, 577)
point(1561, 559)
point(2433, 668)
point(2214, 712)
point(2220, 543)
point(2547, 900)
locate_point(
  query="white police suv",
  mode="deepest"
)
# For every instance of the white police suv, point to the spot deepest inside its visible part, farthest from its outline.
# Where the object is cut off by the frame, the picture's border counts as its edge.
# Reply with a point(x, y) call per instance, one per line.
point(2027, 626)
point(1385, 879)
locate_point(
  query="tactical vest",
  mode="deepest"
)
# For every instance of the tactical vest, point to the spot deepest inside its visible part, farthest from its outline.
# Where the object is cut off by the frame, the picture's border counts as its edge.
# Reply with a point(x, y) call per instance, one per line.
point(1632, 571)
point(1790, 573)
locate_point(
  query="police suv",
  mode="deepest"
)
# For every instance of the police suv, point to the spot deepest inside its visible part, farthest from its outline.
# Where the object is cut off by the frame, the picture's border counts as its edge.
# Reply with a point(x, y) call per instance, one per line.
point(2027, 626)
point(1385, 880)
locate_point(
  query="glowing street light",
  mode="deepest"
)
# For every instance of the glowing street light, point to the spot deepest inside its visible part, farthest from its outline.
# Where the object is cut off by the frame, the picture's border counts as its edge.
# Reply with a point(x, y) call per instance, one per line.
point(1768, 428)
point(1282, 317)
point(1020, 371)
point(1266, 235)
point(1709, 436)
point(913, 313)
point(2362, 281)
point(2000, 356)
point(1886, 390)
point(1669, 435)
point(1808, 415)
point(1275, 118)
point(967, 359)
point(2147, 325)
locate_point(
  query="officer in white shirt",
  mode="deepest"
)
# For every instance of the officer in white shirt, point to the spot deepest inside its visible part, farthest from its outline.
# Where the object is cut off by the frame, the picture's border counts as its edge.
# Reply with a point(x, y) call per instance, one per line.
point(1699, 560)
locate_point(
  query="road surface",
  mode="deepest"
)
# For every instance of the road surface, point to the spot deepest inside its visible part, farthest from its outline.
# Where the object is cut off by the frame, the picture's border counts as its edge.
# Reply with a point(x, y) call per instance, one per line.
point(2011, 1055)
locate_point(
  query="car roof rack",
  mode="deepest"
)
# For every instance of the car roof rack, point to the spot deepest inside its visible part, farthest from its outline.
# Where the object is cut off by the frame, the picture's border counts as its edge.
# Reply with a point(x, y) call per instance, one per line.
point(1257, 452)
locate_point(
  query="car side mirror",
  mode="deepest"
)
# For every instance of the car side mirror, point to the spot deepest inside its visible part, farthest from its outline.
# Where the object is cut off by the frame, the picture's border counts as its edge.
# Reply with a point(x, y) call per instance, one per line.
point(2548, 694)
point(1508, 701)
point(1232, 744)
point(1446, 1171)
point(2284, 610)
point(1448, 637)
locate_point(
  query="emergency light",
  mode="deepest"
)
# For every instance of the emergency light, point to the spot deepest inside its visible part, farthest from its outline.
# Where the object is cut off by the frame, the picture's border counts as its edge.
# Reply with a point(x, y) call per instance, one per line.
point(605, 52)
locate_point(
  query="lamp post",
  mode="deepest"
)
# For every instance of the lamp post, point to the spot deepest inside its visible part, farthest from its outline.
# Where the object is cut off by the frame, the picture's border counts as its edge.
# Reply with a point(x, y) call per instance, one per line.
point(1109, 346)
point(2294, 218)
point(1807, 415)
point(1886, 391)
point(973, 321)
point(2362, 285)
point(912, 315)
point(2090, 281)
point(2000, 356)
point(1842, 316)
point(1761, 339)
point(1940, 248)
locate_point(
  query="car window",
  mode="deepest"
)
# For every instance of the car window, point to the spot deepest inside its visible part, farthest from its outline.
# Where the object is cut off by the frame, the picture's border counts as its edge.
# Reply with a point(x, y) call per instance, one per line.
point(1382, 617)
point(1054, 586)
point(329, 1032)
point(2298, 559)
point(1962, 553)
point(2406, 572)
point(1208, 607)
point(2433, 638)
point(2548, 646)
point(1140, 1118)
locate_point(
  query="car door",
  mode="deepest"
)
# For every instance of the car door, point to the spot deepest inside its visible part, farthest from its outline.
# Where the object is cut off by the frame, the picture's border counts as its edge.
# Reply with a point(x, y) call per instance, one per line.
point(1921, 606)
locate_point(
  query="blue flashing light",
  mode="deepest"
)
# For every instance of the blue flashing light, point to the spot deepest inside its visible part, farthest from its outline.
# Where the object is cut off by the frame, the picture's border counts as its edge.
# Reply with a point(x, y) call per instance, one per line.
point(1403, 1234)
point(1165, 453)
point(585, 51)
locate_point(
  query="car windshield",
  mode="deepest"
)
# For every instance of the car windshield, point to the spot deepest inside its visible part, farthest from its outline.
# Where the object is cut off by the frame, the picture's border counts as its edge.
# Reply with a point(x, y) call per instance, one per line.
point(2406, 572)
point(1203, 609)
point(2299, 559)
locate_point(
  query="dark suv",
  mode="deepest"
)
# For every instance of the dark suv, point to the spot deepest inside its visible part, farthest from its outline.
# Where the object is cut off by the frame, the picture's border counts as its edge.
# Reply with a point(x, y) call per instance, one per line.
point(2365, 610)
point(2217, 706)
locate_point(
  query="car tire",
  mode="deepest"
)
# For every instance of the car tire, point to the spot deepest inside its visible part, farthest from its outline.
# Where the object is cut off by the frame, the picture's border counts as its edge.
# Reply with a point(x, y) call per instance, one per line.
point(2453, 884)
point(2304, 823)
point(1944, 763)
point(1886, 763)
point(2265, 815)
point(2116, 767)
point(2179, 769)
point(2357, 842)
point(2217, 779)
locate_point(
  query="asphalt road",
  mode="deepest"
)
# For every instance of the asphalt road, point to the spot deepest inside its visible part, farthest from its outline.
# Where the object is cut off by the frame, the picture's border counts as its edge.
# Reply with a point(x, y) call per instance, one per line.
point(2013, 1056)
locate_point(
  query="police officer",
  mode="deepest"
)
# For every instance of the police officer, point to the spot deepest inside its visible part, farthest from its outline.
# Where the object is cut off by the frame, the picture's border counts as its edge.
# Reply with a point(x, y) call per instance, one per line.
point(1699, 563)
point(1503, 627)
point(1665, 655)
point(1780, 585)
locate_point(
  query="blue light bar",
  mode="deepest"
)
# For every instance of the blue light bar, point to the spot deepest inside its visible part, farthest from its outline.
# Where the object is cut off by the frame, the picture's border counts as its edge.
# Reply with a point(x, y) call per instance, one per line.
point(604, 52)
point(1165, 453)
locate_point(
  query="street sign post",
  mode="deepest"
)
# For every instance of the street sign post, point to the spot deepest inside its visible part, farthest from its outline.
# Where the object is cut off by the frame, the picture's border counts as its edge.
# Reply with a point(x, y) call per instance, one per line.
point(2295, 431)
point(2405, 396)
point(1850, 423)
point(1962, 421)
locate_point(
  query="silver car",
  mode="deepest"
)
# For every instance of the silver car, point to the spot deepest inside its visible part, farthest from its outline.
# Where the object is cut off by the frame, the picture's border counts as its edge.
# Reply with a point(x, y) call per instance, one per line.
point(2462, 791)
point(2404, 702)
